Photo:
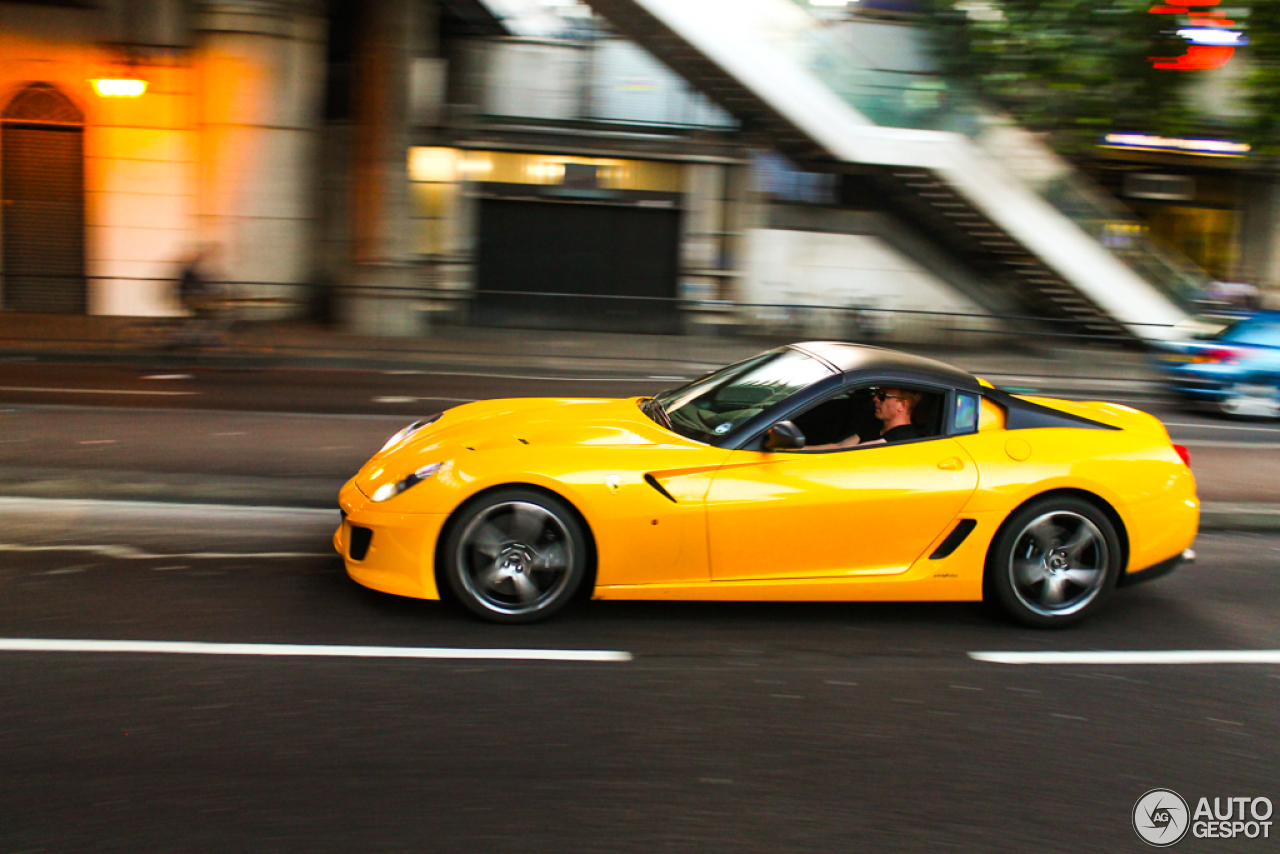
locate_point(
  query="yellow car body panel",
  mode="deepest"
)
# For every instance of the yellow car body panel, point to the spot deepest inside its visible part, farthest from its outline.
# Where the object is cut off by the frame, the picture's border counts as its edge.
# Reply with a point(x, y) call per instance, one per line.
point(858, 513)
point(673, 518)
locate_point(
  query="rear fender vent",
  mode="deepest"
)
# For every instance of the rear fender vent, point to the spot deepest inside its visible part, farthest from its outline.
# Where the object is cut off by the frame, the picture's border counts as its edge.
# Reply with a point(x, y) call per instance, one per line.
point(360, 540)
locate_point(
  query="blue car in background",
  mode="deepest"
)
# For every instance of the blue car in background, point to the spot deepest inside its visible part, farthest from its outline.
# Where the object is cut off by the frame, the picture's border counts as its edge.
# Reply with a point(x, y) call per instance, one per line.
point(1236, 371)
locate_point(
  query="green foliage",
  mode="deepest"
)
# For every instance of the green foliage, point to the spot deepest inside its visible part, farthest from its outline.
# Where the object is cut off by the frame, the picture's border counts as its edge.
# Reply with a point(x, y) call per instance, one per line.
point(1075, 69)
point(1264, 76)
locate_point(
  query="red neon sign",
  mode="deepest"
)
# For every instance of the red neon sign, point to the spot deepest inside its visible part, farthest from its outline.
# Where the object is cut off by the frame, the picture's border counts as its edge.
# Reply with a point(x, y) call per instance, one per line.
point(1197, 57)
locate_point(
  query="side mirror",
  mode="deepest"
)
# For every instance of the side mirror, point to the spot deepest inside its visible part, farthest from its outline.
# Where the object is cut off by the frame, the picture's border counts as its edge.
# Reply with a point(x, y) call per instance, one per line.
point(784, 436)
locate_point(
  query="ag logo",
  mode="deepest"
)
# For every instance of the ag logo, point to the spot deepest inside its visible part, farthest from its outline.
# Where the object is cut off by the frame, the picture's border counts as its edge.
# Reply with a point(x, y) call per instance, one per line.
point(1161, 817)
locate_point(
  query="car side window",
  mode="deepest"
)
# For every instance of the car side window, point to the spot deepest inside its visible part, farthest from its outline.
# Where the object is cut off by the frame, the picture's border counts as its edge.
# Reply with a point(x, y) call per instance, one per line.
point(965, 417)
point(849, 419)
point(1257, 333)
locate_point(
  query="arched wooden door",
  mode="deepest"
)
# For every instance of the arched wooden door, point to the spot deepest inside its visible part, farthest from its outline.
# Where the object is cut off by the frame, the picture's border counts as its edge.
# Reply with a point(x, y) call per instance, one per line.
point(42, 217)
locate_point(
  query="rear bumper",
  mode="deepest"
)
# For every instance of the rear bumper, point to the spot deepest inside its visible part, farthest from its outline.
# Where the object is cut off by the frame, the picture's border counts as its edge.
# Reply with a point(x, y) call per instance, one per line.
point(399, 556)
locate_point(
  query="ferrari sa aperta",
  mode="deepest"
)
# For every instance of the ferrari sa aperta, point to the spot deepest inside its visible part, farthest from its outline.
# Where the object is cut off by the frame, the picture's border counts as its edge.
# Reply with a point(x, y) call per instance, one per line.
point(770, 480)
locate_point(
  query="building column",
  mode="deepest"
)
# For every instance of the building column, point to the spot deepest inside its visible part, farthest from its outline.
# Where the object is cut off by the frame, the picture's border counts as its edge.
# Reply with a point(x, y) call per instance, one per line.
point(261, 66)
point(385, 283)
point(1259, 262)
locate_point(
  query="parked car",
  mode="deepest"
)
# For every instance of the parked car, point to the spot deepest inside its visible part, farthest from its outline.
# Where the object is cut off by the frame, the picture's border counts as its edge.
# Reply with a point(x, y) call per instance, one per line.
point(772, 479)
point(1236, 371)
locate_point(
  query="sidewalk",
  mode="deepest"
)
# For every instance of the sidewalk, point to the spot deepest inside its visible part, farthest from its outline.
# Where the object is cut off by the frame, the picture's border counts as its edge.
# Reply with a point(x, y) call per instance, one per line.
point(127, 340)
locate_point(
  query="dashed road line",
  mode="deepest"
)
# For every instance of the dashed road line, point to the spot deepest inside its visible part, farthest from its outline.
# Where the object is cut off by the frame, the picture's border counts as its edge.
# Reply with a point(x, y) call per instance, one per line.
point(1174, 656)
point(132, 553)
point(305, 650)
point(402, 399)
point(153, 393)
point(1205, 426)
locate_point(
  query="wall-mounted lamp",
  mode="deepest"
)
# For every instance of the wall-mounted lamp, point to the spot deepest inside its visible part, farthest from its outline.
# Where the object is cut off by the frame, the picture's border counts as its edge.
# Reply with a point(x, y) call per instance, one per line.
point(119, 87)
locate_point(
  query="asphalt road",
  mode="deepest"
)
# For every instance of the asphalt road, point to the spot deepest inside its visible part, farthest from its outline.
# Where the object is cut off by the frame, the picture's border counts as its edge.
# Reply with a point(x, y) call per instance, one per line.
point(292, 437)
point(735, 728)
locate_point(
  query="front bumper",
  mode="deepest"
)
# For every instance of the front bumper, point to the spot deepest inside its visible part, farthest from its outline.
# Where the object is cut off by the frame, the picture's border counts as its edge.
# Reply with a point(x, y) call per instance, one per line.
point(1203, 383)
point(399, 555)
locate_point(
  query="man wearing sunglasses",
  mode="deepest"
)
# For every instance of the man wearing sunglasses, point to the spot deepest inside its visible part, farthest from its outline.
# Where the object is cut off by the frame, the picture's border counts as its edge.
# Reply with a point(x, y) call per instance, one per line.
point(893, 409)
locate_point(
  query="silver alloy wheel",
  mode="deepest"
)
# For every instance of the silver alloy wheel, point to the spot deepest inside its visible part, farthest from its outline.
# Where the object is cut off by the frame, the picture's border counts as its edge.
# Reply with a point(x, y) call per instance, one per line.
point(515, 557)
point(1251, 400)
point(1058, 564)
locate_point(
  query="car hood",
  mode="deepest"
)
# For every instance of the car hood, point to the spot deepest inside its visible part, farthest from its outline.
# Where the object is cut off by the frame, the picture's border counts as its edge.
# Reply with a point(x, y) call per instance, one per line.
point(535, 423)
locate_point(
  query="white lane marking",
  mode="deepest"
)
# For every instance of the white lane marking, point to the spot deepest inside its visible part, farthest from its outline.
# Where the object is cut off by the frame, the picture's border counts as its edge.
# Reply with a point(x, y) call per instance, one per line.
point(92, 391)
point(168, 377)
point(417, 399)
point(668, 378)
point(235, 433)
point(529, 377)
point(1221, 427)
point(280, 649)
point(1222, 443)
point(20, 503)
point(132, 553)
point(1185, 656)
point(43, 408)
point(98, 442)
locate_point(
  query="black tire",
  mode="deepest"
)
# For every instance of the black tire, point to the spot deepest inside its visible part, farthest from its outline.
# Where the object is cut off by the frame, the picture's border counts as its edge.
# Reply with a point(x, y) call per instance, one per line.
point(1259, 398)
point(1055, 561)
point(515, 555)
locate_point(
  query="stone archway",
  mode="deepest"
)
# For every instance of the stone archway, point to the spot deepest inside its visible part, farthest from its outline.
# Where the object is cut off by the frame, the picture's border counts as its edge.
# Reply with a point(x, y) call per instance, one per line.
point(42, 218)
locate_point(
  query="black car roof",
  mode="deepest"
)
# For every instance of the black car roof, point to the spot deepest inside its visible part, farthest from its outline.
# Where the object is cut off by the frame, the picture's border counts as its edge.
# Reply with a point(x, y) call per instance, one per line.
point(853, 359)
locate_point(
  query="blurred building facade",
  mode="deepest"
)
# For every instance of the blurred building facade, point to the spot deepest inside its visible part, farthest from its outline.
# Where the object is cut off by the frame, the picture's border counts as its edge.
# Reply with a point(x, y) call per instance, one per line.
point(107, 191)
point(406, 162)
point(395, 164)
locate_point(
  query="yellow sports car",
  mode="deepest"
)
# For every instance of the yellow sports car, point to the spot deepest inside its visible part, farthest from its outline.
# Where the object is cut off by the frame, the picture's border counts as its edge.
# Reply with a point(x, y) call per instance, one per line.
point(819, 471)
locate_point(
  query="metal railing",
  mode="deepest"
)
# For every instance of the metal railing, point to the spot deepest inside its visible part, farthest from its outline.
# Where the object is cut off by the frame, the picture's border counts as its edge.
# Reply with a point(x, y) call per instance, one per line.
point(241, 318)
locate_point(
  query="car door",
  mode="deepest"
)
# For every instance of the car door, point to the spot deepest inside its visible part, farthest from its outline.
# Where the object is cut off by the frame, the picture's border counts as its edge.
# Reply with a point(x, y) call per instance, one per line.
point(869, 510)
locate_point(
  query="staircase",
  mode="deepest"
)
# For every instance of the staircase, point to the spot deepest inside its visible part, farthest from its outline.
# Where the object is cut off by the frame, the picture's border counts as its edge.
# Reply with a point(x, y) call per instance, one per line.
point(993, 194)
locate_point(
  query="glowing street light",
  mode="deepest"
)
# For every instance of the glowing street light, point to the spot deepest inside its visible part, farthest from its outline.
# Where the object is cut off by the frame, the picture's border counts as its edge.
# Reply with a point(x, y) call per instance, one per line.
point(108, 87)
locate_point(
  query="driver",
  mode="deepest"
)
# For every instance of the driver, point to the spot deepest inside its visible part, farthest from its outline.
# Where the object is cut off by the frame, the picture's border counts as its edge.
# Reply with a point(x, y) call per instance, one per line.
point(893, 409)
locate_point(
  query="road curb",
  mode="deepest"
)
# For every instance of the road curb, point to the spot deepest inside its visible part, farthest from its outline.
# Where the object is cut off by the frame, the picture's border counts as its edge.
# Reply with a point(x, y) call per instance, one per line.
point(1215, 516)
point(170, 488)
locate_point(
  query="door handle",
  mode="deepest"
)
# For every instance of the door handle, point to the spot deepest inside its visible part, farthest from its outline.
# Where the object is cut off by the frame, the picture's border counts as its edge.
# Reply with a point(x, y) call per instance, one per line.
point(952, 464)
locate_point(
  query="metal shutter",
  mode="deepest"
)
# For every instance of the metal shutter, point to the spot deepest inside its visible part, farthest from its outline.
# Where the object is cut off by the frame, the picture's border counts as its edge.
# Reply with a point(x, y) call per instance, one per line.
point(42, 174)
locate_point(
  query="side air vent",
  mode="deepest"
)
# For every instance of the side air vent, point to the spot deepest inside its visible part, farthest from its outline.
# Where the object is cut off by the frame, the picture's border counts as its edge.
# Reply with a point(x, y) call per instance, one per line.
point(360, 540)
point(653, 481)
point(954, 539)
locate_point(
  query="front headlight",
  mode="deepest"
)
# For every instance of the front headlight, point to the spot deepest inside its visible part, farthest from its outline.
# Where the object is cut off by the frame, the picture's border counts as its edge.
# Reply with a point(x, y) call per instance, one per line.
point(408, 432)
point(390, 490)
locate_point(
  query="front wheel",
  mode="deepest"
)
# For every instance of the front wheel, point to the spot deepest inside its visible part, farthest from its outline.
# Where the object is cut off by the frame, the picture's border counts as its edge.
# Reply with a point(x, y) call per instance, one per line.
point(515, 556)
point(1055, 562)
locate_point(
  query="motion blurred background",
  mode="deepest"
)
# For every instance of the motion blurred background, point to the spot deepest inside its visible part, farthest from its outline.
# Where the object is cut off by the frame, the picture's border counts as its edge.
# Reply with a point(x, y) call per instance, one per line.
point(243, 242)
point(963, 172)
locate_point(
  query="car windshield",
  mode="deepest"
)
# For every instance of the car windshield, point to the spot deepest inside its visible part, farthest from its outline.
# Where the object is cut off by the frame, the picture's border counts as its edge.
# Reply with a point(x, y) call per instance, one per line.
point(708, 408)
point(1263, 333)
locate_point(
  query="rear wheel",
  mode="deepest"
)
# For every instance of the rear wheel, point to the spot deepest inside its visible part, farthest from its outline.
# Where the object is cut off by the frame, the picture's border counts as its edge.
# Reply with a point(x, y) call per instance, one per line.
point(1255, 399)
point(1055, 562)
point(515, 556)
